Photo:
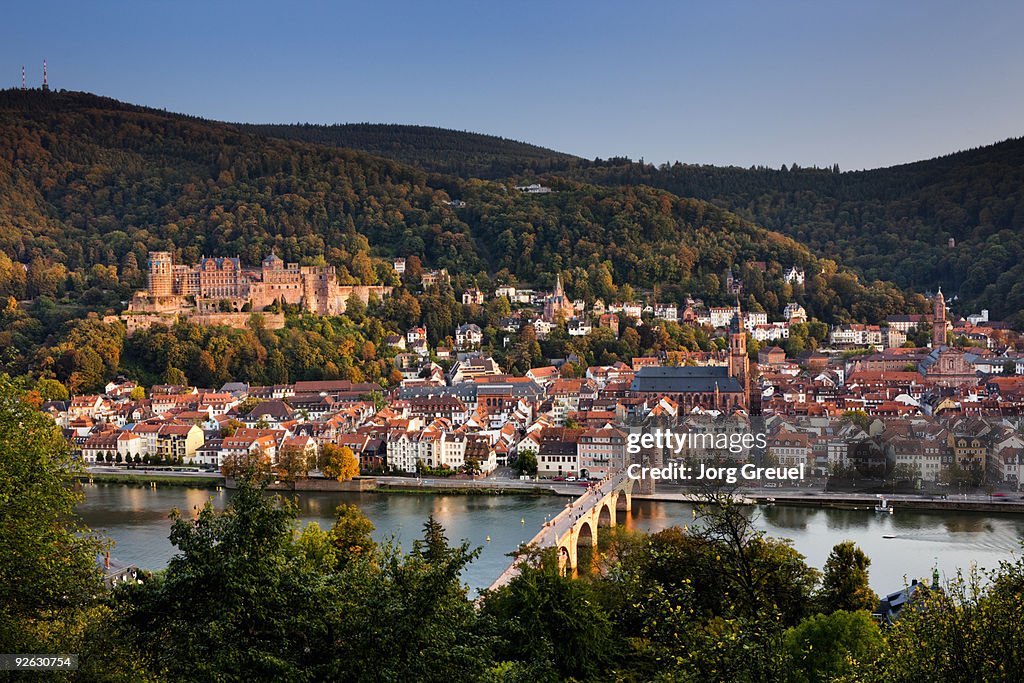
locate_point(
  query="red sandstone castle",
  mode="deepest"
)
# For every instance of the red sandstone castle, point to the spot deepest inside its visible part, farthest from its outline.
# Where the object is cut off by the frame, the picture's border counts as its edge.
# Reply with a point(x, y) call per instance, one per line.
point(223, 285)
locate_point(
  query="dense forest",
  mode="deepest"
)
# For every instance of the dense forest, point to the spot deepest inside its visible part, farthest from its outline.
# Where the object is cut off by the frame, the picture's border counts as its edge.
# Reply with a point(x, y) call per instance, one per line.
point(955, 220)
point(89, 186)
point(250, 594)
point(461, 153)
point(889, 223)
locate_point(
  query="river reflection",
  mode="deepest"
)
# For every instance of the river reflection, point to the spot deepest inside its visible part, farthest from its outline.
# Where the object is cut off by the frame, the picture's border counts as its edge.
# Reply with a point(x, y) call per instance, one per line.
point(136, 518)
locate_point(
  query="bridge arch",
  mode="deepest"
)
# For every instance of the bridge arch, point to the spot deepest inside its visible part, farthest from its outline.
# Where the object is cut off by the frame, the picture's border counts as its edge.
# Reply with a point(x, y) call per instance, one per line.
point(623, 501)
point(585, 544)
point(606, 514)
point(586, 532)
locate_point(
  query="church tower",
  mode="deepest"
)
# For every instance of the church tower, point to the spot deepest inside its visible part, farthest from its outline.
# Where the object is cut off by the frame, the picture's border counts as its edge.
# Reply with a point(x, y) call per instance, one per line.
point(739, 362)
point(939, 321)
point(557, 304)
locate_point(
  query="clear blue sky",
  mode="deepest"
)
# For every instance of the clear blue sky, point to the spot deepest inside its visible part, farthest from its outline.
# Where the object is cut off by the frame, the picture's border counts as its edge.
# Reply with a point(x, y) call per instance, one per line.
point(862, 84)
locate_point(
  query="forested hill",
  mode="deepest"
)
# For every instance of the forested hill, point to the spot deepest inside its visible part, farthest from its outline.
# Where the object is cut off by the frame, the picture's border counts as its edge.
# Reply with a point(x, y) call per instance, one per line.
point(889, 223)
point(88, 187)
point(86, 181)
point(894, 223)
point(439, 150)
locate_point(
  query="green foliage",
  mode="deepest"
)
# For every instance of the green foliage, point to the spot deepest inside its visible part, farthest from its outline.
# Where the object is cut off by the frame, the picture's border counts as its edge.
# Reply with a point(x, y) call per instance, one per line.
point(844, 584)
point(961, 633)
point(829, 647)
point(758, 575)
point(309, 347)
point(526, 463)
point(86, 358)
point(48, 573)
point(351, 534)
point(404, 618)
point(711, 603)
point(550, 623)
point(247, 598)
point(432, 149)
point(52, 390)
point(238, 602)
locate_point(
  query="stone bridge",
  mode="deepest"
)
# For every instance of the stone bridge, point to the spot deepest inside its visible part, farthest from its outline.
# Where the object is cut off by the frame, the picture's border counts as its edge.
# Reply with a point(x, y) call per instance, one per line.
point(579, 521)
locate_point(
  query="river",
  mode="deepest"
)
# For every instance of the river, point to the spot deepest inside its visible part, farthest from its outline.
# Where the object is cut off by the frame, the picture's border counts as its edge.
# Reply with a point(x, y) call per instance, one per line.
point(136, 518)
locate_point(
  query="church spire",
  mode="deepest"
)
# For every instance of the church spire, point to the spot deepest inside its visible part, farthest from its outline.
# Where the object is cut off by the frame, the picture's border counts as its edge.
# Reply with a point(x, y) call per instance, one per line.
point(939, 320)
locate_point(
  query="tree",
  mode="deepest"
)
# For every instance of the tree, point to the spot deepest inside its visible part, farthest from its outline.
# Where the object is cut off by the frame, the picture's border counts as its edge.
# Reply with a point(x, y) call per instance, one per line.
point(247, 404)
point(277, 368)
point(52, 390)
point(760, 576)
point(859, 418)
point(433, 547)
point(526, 462)
point(551, 626)
point(240, 599)
point(175, 377)
point(828, 647)
point(844, 585)
point(138, 393)
point(252, 464)
point(968, 629)
point(292, 464)
point(352, 534)
point(408, 618)
point(338, 462)
point(230, 427)
point(48, 573)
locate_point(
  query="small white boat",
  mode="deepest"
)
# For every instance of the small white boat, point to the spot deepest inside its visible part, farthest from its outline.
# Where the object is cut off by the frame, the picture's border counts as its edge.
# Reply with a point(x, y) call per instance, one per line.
point(883, 506)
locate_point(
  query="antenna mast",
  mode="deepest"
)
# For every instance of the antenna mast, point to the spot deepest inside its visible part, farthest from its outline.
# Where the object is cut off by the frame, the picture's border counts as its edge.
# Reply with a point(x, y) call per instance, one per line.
point(23, 77)
point(46, 86)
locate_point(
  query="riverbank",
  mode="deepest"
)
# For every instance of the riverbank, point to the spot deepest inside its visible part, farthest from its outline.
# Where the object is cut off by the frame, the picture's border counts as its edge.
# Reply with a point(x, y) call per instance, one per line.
point(859, 502)
point(466, 490)
point(515, 487)
point(148, 480)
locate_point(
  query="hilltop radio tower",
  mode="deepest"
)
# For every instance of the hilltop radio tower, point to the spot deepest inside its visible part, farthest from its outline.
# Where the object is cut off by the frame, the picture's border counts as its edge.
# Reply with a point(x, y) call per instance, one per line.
point(46, 86)
point(23, 77)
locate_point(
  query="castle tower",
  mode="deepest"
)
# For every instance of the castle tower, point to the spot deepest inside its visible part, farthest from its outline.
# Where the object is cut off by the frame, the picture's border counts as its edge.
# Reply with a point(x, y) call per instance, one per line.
point(939, 321)
point(161, 279)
